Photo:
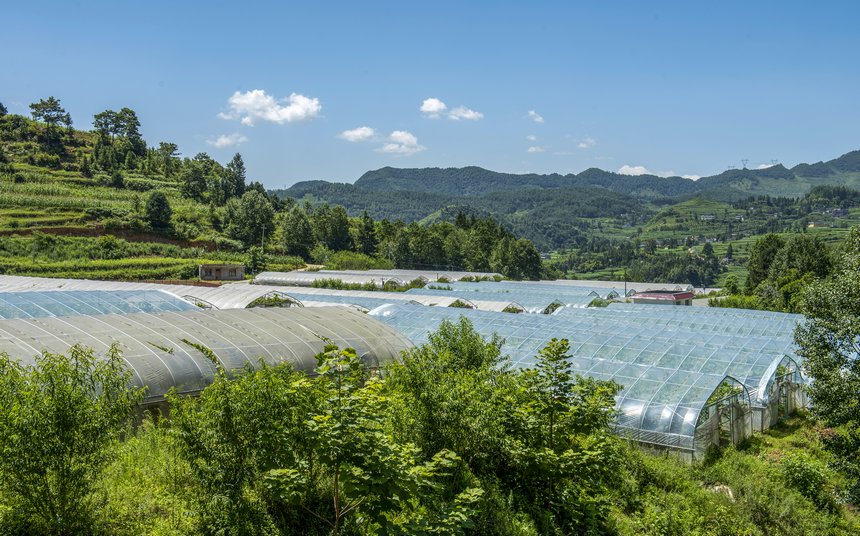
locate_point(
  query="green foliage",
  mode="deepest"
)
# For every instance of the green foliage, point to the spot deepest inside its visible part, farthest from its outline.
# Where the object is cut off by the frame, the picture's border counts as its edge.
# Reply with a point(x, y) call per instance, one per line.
point(811, 478)
point(50, 112)
point(59, 420)
point(761, 257)
point(234, 433)
point(828, 344)
point(371, 477)
point(256, 261)
point(277, 452)
point(158, 210)
point(348, 260)
point(249, 218)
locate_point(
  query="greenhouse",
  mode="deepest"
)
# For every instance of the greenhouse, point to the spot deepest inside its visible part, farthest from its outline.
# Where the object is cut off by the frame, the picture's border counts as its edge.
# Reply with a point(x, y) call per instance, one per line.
point(308, 279)
point(540, 287)
point(763, 367)
point(182, 349)
point(532, 302)
point(425, 275)
point(39, 304)
point(770, 325)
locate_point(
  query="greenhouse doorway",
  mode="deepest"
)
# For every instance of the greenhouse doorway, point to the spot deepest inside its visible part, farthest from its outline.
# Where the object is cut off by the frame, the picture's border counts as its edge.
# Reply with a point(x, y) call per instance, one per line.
point(725, 420)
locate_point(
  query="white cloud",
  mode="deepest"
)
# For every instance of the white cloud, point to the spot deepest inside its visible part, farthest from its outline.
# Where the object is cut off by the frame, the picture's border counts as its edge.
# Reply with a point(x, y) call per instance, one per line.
point(536, 149)
point(531, 137)
point(227, 140)
point(764, 166)
point(433, 107)
point(587, 143)
point(633, 170)
point(691, 177)
point(358, 134)
point(402, 143)
point(536, 117)
point(257, 104)
point(461, 112)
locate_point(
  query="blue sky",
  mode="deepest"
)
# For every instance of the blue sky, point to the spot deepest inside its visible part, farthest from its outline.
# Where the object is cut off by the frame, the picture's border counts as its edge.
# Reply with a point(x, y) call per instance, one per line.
point(669, 87)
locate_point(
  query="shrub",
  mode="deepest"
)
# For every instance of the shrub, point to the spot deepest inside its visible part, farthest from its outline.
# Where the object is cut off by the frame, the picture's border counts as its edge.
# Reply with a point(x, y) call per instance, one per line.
point(58, 422)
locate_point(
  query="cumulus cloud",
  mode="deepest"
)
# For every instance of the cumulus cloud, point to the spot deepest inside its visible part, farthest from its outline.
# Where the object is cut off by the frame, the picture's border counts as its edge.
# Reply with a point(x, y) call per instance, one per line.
point(691, 177)
point(461, 112)
point(227, 140)
point(587, 143)
point(536, 149)
point(531, 137)
point(536, 117)
point(358, 134)
point(256, 104)
point(433, 107)
point(633, 170)
point(402, 143)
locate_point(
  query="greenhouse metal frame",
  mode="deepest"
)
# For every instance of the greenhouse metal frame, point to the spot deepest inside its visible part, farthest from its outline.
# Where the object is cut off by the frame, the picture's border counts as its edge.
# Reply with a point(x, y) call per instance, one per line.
point(175, 350)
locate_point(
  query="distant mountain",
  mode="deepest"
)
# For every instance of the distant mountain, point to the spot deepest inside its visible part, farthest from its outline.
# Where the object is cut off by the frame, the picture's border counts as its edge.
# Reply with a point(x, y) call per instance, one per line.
point(732, 184)
point(554, 209)
point(476, 181)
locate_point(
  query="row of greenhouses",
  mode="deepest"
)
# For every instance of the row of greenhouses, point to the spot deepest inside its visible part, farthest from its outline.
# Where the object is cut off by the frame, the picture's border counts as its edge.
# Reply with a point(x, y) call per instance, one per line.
point(692, 377)
point(683, 389)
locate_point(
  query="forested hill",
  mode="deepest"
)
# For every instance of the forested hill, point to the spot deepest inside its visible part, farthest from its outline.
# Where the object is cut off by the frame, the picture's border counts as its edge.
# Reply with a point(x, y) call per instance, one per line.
point(730, 185)
point(475, 181)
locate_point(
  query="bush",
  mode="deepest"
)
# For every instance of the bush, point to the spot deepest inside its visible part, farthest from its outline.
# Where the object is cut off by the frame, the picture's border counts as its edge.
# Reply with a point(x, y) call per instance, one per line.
point(58, 422)
point(811, 478)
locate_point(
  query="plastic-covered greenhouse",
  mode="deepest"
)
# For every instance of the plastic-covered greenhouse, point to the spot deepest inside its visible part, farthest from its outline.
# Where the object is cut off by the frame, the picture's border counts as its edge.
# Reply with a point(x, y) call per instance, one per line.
point(531, 301)
point(761, 370)
point(307, 279)
point(770, 325)
point(536, 287)
point(38, 304)
point(167, 350)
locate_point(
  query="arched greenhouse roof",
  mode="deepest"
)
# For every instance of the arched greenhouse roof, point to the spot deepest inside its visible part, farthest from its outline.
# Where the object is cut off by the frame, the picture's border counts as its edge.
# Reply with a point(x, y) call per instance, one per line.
point(39, 304)
point(658, 405)
point(748, 359)
point(711, 320)
point(167, 350)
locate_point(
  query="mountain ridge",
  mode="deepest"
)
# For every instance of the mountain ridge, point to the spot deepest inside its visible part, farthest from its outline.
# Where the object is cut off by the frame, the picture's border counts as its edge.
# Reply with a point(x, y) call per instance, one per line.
point(475, 181)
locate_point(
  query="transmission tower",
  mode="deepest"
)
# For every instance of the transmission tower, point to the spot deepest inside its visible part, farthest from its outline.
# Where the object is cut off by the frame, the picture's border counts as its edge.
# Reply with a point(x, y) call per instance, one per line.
point(744, 162)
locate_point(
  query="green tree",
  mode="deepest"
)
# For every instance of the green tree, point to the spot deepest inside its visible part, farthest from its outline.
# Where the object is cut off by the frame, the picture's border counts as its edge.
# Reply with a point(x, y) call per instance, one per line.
point(234, 178)
point(255, 261)
point(366, 235)
point(50, 112)
point(158, 211)
point(3, 110)
point(193, 182)
point(117, 180)
point(106, 123)
point(129, 128)
point(801, 255)
point(249, 219)
point(331, 227)
point(731, 285)
point(237, 430)
point(761, 257)
point(59, 420)
point(167, 155)
point(369, 476)
point(828, 343)
point(296, 233)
